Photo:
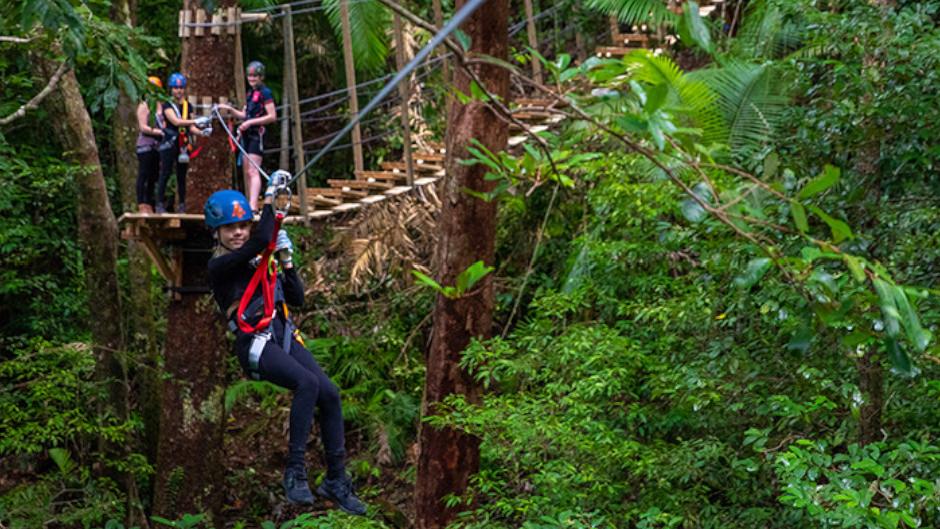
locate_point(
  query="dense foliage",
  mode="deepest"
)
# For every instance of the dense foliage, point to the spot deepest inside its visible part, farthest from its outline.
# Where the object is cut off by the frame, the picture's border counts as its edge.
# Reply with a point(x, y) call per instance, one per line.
point(698, 279)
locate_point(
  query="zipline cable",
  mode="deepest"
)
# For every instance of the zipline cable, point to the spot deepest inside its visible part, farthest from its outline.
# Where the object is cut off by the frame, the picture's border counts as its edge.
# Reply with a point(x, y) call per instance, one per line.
point(234, 140)
point(448, 28)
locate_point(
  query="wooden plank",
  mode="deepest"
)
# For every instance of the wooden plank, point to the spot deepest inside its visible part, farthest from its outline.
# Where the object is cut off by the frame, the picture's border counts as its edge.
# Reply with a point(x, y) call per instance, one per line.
point(372, 199)
point(393, 176)
point(297, 132)
point(181, 24)
point(358, 184)
point(424, 157)
point(517, 140)
point(425, 181)
point(533, 40)
point(399, 167)
point(349, 206)
point(187, 20)
point(234, 16)
point(321, 214)
point(395, 191)
point(163, 266)
point(217, 21)
point(613, 51)
point(200, 31)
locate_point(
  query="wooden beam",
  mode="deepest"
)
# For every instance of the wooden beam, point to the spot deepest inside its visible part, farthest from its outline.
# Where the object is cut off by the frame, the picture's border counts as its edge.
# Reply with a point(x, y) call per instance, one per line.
point(533, 41)
point(299, 158)
point(163, 266)
point(405, 93)
point(358, 162)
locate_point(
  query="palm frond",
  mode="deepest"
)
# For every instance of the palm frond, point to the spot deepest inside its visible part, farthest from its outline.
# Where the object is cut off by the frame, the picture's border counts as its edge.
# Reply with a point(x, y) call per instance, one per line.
point(652, 12)
point(750, 100)
point(369, 22)
point(767, 33)
point(695, 98)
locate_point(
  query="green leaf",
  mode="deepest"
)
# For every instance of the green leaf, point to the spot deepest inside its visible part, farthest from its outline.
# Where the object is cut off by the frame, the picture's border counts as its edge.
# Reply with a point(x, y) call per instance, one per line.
point(469, 277)
point(900, 361)
point(478, 92)
point(889, 309)
point(693, 29)
point(828, 178)
point(422, 278)
point(463, 39)
point(856, 266)
point(917, 335)
point(755, 270)
point(62, 459)
point(799, 216)
point(840, 230)
point(771, 164)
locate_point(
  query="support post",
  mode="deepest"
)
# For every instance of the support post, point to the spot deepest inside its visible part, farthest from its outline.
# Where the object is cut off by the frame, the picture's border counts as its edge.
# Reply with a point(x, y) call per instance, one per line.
point(351, 85)
point(533, 41)
point(299, 161)
point(404, 91)
point(284, 159)
point(239, 67)
point(439, 22)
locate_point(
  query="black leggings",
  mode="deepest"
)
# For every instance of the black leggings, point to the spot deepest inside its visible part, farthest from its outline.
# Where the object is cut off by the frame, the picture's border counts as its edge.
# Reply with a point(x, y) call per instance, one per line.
point(168, 158)
point(300, 373)
point(148, 170)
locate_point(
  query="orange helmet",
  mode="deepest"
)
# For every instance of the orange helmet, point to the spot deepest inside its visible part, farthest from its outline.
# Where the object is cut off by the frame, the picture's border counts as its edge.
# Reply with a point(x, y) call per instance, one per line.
point(156, 81)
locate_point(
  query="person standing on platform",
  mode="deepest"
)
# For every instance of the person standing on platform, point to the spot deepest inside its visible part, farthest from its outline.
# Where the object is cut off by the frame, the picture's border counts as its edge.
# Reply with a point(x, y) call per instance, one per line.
point(178, 131)
point(150, 127)
point(259, 111)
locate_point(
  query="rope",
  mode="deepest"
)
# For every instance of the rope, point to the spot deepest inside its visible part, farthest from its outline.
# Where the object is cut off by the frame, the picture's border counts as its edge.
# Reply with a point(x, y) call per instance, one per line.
point(448, 28)
point(234, 139)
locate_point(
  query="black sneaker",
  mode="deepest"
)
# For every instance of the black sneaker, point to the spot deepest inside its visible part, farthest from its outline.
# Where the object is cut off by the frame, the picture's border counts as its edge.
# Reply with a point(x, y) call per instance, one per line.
point(340, 491)
point(296, 488)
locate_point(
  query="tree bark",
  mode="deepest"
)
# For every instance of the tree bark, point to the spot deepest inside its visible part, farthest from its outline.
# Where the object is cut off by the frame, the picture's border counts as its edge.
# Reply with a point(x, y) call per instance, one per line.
point(189, 460)
point(139, 319)
point(448, 457)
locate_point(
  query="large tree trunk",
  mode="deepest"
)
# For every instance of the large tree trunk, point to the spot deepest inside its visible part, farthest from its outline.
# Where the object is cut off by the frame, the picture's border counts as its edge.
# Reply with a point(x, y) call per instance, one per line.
point(189, 461)
point(98, 236)
point(468, 228)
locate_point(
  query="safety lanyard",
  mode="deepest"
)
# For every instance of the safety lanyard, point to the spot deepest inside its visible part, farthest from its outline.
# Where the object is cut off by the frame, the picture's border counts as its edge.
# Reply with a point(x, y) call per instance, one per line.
point(266, 275)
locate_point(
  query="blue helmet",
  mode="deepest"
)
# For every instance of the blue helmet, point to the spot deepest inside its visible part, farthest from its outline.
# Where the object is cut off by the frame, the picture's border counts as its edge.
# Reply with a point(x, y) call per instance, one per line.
point(227, 207)
point(177, 80)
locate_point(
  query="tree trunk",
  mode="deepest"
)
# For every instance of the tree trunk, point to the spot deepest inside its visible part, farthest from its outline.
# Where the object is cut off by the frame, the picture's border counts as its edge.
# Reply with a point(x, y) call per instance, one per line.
point(97, 234)
point(870, 365)
point(447, 457)
point(189, 460)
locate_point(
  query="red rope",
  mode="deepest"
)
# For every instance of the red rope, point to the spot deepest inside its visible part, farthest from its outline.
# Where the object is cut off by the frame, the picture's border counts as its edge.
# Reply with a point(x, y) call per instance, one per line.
point(266, 275)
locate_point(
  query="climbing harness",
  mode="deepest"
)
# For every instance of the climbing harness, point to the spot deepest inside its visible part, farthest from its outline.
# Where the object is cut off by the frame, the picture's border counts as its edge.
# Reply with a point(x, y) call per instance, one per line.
point(236, 141)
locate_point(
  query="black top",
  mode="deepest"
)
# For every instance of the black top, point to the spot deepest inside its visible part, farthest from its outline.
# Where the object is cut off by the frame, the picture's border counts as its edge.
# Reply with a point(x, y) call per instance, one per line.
point(257, 98)
point(230, 274)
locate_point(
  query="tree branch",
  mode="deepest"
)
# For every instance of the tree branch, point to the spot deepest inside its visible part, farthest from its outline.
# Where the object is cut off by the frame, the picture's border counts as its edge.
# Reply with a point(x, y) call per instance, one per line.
point(35, 101)
point(15, 40)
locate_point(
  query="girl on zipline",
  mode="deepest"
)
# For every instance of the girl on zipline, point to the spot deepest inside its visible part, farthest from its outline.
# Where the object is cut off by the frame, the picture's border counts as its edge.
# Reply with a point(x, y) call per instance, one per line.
point(176, 144)
point(259, 111)
point(273, 350)
point(150, 132)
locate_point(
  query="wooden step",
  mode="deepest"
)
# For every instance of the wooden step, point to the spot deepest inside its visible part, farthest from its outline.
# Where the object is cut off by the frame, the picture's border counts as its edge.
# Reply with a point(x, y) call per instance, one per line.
point(383, 176)
point(401, 167)
point(628, 39)
point(532, 115)
point(358, 184)
point(425, 157)
point(345, 192)
point(437, 147)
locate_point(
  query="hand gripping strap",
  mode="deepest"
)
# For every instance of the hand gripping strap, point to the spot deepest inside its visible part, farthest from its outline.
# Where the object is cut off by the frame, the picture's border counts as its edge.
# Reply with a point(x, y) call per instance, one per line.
point(267, 277)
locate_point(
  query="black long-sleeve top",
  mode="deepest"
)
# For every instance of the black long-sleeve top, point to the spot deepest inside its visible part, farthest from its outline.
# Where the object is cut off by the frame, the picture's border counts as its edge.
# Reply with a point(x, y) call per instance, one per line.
point(230, 274)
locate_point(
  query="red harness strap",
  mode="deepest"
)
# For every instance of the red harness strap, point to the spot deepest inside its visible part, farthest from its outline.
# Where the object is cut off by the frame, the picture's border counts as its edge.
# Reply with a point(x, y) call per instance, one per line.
point(267, 276)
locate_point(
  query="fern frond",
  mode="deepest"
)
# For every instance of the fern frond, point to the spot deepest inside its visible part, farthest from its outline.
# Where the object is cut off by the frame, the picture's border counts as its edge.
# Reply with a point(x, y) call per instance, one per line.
point(369, 22)
point(652, 12)
point(750, 101)
point(694, 97)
